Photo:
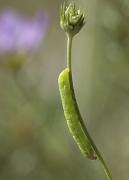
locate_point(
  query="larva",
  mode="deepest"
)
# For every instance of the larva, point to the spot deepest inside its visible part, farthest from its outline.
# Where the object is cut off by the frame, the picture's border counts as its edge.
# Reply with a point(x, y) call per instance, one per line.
point(72, 114)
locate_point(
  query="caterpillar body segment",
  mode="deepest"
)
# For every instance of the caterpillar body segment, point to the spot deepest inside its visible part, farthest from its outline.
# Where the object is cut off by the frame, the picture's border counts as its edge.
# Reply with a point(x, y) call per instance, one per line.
point(72, 114)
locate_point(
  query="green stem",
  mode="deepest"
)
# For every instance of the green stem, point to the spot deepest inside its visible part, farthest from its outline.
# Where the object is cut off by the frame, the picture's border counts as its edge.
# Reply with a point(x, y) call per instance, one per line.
point(69, 50)
point(102, 162)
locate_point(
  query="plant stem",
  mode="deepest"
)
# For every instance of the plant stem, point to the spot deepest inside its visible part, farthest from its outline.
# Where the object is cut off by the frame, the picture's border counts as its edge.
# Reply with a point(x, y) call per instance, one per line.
point(102, 162)
point(69, 50)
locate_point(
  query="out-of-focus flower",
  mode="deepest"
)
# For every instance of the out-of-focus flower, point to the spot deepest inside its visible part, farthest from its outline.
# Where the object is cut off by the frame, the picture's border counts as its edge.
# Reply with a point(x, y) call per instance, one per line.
point(20, 35)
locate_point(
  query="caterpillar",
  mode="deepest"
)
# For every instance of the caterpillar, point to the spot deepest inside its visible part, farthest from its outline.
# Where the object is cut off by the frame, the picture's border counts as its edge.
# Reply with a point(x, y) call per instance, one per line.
point(72, 114)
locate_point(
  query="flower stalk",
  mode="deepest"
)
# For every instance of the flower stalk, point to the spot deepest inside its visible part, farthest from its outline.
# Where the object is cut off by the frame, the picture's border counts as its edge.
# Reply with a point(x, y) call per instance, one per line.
point(71, 21)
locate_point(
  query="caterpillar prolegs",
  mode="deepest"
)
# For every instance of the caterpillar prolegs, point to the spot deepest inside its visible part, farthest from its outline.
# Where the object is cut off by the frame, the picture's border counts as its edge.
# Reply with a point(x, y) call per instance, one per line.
point(72, 114)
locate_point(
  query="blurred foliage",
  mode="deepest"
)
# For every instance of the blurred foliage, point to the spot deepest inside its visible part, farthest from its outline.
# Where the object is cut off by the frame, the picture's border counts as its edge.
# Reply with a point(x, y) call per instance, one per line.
point(34, 139)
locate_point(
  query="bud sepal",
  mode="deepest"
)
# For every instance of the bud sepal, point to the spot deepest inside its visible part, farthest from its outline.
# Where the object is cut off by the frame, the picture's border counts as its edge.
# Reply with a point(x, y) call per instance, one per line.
point(71, 19)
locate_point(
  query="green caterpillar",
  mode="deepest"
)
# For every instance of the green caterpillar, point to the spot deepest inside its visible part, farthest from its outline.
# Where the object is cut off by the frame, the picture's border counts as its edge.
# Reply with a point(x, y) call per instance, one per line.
point(72, 114)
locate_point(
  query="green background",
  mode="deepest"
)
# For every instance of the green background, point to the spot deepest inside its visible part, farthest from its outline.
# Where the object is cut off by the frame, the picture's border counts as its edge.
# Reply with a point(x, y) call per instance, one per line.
point(35, 143)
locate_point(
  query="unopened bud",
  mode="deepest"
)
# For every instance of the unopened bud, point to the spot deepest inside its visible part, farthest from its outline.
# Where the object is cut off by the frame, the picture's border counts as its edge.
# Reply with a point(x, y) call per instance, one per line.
point(71, 19)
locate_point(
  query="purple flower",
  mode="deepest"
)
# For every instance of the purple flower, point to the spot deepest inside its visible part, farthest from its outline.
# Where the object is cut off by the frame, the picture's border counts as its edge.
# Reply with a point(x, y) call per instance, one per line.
point(21, 34)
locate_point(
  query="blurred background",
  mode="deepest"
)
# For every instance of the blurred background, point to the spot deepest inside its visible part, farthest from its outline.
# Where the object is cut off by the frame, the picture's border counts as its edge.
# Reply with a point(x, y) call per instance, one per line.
point(35, 143)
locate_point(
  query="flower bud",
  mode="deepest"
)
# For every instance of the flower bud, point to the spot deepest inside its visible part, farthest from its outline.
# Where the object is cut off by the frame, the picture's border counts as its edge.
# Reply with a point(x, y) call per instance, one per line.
point(71, 19)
